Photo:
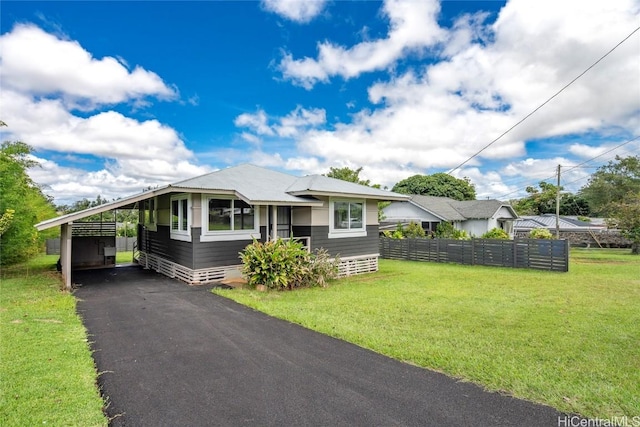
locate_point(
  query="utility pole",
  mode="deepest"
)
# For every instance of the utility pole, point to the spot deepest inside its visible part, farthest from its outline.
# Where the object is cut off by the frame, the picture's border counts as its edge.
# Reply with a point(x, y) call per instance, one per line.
point(558, 206)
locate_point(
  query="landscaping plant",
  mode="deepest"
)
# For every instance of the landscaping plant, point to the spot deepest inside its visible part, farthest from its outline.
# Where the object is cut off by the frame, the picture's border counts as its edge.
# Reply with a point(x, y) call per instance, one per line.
point(495, 233)
point(540, 233)
point(286, 264)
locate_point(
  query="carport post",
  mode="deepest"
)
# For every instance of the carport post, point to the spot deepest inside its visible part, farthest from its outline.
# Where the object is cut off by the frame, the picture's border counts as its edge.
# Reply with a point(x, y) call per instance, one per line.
point(65, 254)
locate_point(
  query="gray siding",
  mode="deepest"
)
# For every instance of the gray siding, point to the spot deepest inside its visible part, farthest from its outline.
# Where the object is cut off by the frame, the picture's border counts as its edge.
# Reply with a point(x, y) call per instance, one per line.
point(159, 243)
point(345, 247)
point(197, 254)
point(216, 254)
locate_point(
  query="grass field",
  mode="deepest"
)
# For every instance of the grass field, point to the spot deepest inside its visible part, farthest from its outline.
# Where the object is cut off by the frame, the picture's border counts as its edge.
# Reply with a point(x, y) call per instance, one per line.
point(569, 340)
point(47, 375)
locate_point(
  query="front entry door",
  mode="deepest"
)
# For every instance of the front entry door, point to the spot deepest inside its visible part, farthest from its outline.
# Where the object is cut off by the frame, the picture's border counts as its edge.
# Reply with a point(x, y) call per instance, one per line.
point(283, 229)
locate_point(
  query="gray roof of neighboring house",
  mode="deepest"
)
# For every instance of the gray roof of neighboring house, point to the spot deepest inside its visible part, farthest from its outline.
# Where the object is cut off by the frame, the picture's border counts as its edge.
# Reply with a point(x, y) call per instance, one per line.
point(254, 184)
point(455, 210)
point(549, 221)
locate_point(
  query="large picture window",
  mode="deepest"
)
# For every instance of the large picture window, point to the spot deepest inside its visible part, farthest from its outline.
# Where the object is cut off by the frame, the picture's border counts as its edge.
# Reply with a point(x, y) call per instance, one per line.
point(348, 218)
point(229, 219)
point(180, 218)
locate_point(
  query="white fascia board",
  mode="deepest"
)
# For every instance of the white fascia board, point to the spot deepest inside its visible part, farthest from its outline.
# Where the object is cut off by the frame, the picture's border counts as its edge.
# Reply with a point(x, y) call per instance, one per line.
point(69, 218)
point(398, 198)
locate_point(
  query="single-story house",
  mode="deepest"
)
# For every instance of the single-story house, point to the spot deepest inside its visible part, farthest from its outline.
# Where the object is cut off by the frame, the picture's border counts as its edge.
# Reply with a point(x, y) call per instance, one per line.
point(476, 217)
point(194, 229)
point(527, 223)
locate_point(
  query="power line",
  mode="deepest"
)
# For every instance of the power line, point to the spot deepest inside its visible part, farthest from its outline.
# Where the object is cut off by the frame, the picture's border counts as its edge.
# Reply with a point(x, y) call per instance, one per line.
point(544, 103)
point(580, 165)
point(606, 152)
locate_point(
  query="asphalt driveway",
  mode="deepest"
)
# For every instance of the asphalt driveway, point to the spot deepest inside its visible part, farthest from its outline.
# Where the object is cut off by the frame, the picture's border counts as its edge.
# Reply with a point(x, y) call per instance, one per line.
point(174, 355)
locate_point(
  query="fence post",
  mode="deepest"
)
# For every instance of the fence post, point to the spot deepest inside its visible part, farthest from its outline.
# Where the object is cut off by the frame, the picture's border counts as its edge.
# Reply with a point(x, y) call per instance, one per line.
point(473, 251)
point(515, 252)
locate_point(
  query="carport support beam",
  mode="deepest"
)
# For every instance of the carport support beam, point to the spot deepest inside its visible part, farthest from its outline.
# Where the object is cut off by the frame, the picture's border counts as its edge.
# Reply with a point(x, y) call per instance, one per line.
point(65, 254)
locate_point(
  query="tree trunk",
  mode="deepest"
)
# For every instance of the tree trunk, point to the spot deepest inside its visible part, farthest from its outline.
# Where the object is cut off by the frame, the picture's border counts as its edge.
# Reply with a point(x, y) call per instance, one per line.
point(635, 248)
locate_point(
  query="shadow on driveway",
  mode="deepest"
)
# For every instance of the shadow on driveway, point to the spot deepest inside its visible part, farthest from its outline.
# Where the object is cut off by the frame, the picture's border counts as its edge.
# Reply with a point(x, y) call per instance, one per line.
point(170, 354)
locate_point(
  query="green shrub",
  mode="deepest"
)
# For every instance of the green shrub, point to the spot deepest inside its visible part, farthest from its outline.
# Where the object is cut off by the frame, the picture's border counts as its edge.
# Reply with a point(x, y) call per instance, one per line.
point(446, 230)
point(286, 264)
point(495, 233)
point(540, 233)
point(414, 231)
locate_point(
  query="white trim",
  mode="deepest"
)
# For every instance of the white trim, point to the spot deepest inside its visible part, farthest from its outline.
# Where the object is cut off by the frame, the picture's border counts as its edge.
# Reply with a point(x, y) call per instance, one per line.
point(346, 234)
point(348, 266)
point(182, 235)
point(339, 233)
point(192, 277)
point(227, 235)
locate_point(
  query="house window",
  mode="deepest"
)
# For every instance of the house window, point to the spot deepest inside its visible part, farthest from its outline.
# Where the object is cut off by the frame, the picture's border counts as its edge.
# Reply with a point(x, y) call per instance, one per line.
point(347, 218)
point(180, 218)
point(229, 219)
point(149, 213)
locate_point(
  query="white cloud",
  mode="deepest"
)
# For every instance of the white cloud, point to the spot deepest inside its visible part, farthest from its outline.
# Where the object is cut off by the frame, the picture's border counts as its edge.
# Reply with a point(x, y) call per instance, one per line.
point(300, 11)
point(45, 78)
point(412, 27)
point(257, 122)
point(40, 63)
point(298, 119)
point(105, 134)
point(290, 126)
point(489, 78)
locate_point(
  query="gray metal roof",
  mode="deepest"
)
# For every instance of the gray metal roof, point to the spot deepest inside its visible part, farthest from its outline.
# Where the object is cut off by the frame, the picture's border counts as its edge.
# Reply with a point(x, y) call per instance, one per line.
point(254, 184)
point(324, 185)
point(548, 221)
point(455, 210)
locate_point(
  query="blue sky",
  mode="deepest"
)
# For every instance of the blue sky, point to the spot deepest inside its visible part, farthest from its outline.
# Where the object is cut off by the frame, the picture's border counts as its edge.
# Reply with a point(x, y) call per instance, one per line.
point(119, 96)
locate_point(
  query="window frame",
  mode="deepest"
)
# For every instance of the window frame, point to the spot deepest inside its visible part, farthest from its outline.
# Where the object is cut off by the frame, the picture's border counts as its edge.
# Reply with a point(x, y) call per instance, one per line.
point(179, 233)
point(337, 233)
point(207, 235)
point(150, 216)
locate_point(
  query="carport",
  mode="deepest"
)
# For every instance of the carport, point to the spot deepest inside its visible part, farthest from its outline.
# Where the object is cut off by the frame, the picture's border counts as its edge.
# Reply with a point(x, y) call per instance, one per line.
point(74, 233)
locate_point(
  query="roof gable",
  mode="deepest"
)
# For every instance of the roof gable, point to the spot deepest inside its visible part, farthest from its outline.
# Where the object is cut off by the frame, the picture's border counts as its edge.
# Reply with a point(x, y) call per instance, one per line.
point(461, 210)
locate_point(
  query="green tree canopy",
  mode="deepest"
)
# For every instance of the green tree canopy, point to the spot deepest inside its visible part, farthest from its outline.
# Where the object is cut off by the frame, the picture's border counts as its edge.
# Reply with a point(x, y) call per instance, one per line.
point(625, 215)
point(543, 200)
point(22, 204)
point(438, 184)
point(348, 174)
point(612, 183)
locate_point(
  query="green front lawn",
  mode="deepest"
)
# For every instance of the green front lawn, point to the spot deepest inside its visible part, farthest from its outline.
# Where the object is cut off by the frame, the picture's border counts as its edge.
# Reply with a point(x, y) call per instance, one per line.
point(47, 375)
point(569, 340)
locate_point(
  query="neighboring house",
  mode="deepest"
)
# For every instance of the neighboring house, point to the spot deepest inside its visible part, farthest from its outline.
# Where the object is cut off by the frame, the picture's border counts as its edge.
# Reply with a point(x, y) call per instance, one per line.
point(577, 232)
point(194, 229)
point(529, 222)
point(476, 217)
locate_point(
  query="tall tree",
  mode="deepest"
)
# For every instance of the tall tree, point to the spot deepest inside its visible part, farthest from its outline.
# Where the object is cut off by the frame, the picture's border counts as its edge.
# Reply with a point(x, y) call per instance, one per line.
point(543, 200)
point(612, 183)
point(438, 184)
point(625, 215)
point(22, 203)
point(351, 175)
point(348, 174)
